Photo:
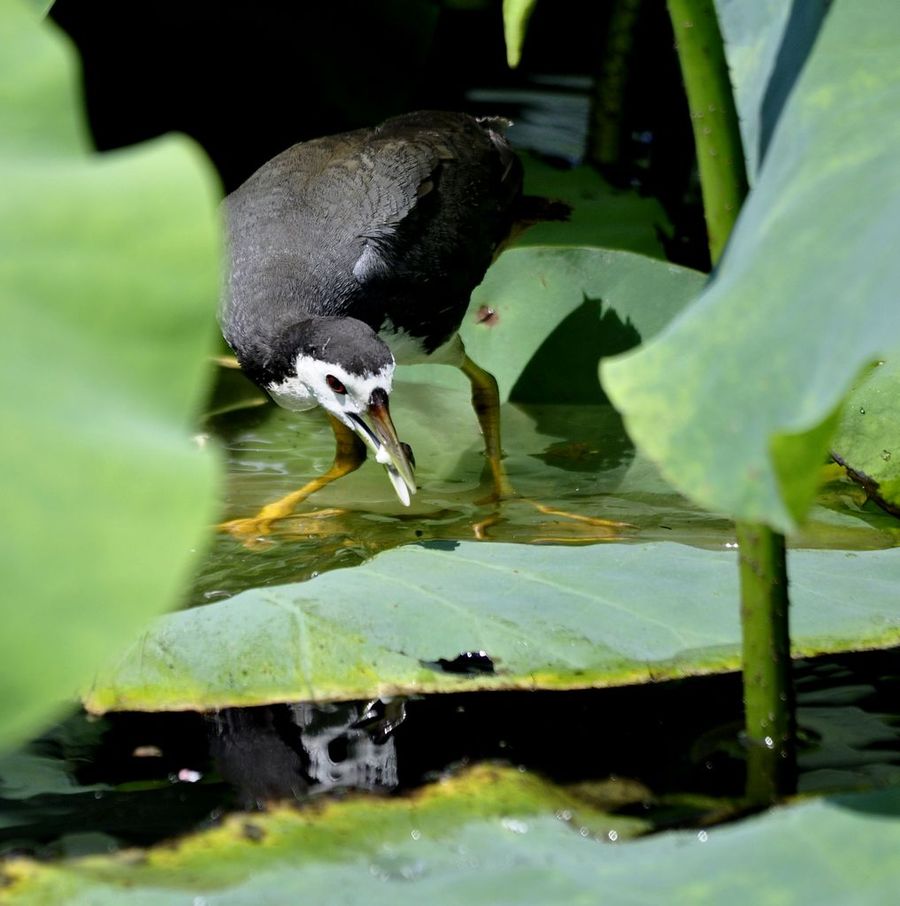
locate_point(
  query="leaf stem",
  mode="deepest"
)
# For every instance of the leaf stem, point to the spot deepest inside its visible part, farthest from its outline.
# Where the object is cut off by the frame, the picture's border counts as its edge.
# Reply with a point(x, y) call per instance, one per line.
point(607, 128)
point(768, 691)
point(717, 136)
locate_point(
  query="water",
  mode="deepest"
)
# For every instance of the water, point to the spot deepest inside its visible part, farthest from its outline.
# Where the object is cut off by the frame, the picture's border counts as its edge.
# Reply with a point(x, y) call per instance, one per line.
point(573, 460)
point(644, 751)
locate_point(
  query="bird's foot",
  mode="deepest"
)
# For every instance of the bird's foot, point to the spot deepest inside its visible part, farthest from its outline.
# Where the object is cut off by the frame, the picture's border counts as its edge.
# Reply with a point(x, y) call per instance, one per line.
point(581, 527)
point(563, 527)
point(253, 532)
point(256, 532)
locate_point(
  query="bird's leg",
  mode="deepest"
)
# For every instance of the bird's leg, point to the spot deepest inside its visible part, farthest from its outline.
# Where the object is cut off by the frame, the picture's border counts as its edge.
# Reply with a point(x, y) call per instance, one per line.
point(486, 402)
point(349, 455)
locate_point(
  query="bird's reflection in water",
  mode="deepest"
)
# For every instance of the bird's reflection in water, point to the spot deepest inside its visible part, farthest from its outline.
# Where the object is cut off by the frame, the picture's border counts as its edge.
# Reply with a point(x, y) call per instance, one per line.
point(294, 751)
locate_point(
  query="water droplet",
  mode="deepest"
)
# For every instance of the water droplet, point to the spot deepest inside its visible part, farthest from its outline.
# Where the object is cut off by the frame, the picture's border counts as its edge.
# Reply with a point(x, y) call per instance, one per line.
point(412, 871)
point(415, 834)
point(702, 836)
point(862, 410)
point(885, 455)
point(613, 835)
point(514, 825)
point(769, 742)
point(583, 831)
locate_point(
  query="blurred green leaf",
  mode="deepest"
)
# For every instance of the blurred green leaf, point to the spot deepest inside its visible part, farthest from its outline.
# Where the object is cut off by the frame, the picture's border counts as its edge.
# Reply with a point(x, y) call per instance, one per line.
point(736, 400)
point(602, 215)
point(46, 766)
point(867, 440)
point(492, 836)
point(42, 6)
point(516, 14)
point(537, 611)
point(107, 293)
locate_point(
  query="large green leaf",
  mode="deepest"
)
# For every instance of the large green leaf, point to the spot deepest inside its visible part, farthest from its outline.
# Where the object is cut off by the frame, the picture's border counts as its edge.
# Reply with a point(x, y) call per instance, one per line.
point(544, 316)
point(736, 399)
point(767, 43)
point(494, 837)
point(107, 288)
point(548, 617)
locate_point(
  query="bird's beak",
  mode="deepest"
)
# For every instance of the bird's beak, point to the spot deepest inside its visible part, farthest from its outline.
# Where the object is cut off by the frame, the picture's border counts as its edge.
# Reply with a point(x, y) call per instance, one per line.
point(378, 432)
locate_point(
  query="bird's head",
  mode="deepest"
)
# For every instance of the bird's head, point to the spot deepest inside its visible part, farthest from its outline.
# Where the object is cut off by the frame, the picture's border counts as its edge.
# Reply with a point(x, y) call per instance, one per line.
point(342, 365)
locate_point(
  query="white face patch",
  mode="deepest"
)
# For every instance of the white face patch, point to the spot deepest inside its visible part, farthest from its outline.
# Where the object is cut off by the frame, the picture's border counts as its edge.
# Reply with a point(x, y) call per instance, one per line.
point(348, 397)
point(309, 388)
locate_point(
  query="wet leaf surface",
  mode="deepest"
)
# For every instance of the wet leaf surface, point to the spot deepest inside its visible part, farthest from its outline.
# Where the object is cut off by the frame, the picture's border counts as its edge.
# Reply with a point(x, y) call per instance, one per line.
point(552, 617)
point(361, 632)
point(494, 835)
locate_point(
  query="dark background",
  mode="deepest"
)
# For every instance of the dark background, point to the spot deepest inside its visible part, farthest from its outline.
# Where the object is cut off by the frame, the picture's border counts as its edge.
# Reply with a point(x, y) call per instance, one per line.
point(246, 80)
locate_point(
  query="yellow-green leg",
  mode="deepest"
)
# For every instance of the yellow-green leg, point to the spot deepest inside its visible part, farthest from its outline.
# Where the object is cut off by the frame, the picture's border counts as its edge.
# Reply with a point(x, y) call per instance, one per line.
point(486, 402)
point(349, 455)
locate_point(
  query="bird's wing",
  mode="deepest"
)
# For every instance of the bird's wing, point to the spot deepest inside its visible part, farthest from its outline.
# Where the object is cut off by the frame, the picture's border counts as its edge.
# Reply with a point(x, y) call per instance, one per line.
point(422, 200)
point(440, 187)
point(401, 174)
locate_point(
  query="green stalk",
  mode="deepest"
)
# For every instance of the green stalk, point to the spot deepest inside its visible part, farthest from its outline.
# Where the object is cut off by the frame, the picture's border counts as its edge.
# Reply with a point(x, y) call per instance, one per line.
point(768, 691)
point(717, 136)
point(606, 142)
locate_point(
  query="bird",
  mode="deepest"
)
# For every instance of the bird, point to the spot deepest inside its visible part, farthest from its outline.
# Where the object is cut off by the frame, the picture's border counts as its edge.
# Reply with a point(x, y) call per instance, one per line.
point(352, 253)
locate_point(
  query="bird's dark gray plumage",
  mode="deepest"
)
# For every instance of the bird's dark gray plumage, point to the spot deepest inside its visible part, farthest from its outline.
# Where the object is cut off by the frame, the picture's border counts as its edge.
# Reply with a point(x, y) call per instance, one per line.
point(353, 252)
point(393, 226)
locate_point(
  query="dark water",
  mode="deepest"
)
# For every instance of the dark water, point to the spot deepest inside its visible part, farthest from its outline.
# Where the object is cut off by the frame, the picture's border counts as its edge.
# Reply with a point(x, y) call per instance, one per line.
point(670, 752)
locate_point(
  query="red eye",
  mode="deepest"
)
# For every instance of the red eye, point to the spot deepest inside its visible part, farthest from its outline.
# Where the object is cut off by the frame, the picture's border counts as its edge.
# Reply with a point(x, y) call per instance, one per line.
point(335, 384)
